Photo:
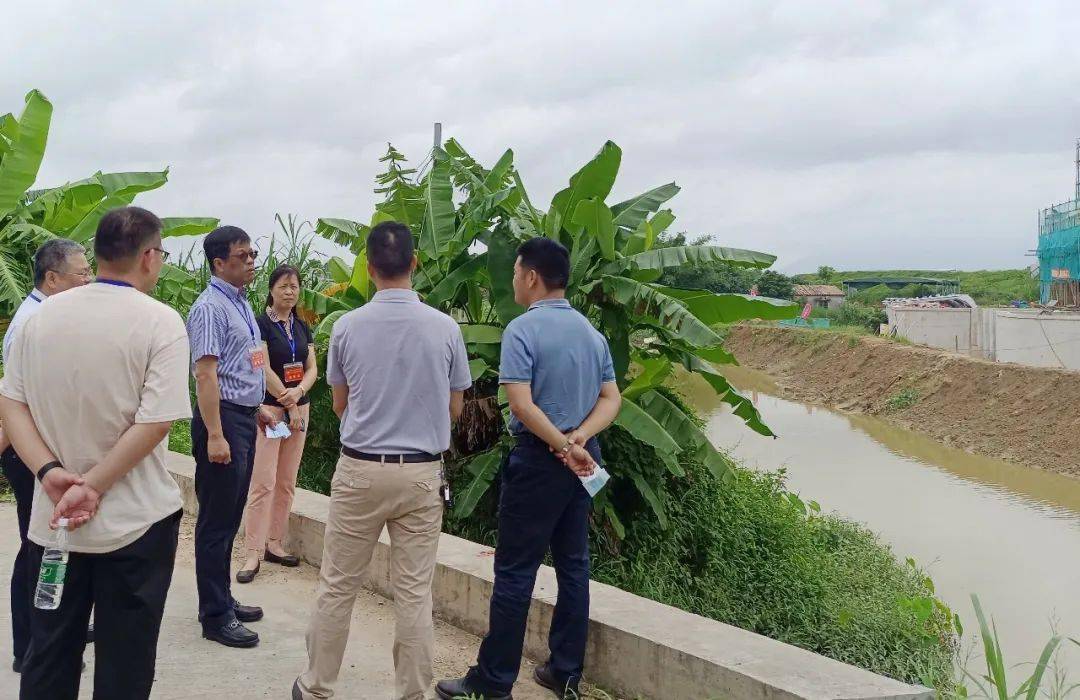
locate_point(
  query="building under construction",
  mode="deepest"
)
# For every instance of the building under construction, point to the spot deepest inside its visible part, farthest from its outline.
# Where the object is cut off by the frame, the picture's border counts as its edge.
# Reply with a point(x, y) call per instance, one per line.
point(1059, 249)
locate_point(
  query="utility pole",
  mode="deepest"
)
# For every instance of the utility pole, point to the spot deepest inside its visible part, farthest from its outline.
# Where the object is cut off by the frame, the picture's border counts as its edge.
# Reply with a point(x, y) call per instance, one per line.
point(438, 144)
point(1077, 169)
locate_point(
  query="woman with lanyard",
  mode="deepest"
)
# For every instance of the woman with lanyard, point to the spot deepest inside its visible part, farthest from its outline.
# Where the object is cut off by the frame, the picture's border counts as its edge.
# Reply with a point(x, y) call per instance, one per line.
point(290, 374)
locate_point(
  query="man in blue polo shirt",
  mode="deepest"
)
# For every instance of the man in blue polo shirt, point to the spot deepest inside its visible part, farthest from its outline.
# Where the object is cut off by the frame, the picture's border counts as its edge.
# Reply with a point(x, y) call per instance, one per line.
point(558, 375)
point(228, 355)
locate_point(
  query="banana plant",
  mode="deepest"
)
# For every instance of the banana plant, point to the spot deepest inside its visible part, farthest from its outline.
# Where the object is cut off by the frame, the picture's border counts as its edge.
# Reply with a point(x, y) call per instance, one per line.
point(468, 222)
point(73, 210)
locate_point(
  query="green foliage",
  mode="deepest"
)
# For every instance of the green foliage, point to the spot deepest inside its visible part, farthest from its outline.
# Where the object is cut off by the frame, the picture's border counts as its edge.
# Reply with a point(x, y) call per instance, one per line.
point(826, 274)
point(722, 276)
point(905, 398)
point(995, 683)
point(750, 553)
point(457, 204)
point(852, 313)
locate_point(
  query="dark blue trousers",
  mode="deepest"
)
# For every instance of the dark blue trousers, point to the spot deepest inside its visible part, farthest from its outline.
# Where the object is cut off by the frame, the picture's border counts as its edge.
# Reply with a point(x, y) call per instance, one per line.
point(221, 490)
point(21, 480)
point(542, 505)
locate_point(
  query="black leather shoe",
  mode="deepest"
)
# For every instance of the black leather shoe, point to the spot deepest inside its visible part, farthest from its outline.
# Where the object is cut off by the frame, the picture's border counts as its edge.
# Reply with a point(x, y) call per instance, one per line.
point(247, 575)
point(567, 690)
point(248, 613)
point(466, 689)
point(90, 633)
point(289, 560)
point(233, 634)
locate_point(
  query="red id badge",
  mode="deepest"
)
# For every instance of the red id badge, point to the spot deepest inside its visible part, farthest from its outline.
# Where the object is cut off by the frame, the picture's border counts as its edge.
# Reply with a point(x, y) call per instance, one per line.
point(293, 371)
point(258, 357)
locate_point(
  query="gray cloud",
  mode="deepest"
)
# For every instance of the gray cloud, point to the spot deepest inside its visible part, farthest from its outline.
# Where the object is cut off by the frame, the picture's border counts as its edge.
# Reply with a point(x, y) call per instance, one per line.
point(865, 134)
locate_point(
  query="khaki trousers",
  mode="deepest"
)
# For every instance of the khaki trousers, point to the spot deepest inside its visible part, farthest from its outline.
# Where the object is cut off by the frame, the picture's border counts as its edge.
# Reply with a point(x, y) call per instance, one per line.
point(364, 497)
point(273, 484)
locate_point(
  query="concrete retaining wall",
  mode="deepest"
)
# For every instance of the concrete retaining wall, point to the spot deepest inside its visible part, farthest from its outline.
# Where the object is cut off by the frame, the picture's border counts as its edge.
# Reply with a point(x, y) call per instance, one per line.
point(948, 329)
point(637, 647)
point(1024, 336)
point(1028, 338)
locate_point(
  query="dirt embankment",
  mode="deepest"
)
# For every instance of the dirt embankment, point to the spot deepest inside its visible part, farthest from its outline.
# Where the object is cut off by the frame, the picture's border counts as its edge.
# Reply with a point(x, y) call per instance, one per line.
point(1026, 415)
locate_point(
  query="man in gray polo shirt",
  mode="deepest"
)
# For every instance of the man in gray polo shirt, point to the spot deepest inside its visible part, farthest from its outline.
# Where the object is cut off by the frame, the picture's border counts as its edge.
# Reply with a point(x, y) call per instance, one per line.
point(398, 370)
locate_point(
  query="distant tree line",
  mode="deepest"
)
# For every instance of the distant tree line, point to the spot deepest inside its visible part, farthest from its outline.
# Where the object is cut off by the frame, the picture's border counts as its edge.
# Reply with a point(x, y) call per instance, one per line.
point(722, 278)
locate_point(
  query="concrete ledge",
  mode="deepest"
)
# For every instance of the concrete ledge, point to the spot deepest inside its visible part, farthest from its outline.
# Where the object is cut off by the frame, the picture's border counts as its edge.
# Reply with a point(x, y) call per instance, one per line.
point(637, 647)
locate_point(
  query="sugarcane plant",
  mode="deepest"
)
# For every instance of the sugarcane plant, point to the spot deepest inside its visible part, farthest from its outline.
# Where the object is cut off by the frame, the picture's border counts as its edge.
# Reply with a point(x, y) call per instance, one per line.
point(468, 221)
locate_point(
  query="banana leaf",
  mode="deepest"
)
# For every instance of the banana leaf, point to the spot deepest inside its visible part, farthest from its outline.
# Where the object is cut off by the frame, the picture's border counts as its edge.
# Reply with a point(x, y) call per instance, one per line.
point(635, 210)
point(187, 226)
point(657, 308)
point(685, 432)
point(19, 168)
point(438, 226)
point(595, 218)
point(711, 308)
point(677, 256)
point(594, 180)
point(483, 468)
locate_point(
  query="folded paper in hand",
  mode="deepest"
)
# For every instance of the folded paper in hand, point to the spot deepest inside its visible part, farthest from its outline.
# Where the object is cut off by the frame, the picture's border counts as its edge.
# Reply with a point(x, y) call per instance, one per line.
point(596, 481)
point(278, 431)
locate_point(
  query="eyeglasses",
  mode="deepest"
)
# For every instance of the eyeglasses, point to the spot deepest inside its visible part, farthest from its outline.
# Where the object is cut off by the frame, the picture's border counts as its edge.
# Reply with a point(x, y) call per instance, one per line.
point(85, 274)
point(164, 253)
point(245, 254)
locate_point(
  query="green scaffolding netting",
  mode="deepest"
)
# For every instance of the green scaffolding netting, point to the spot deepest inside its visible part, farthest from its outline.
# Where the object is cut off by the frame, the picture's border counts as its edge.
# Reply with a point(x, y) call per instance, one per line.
point(1059, 249)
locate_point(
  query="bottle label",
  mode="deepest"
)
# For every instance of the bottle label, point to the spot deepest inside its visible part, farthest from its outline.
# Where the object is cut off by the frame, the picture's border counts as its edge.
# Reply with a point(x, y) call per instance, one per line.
point(52, 572)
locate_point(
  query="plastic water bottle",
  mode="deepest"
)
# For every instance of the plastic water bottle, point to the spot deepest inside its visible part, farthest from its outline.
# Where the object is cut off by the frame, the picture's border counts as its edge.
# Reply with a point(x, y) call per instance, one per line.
point(50, 585)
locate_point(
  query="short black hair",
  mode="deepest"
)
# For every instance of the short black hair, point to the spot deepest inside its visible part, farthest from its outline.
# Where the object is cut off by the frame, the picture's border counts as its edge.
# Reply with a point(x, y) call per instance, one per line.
point(390, 249)
point(218, 243)
point(53, 255)
point(123, 233)
point(549, 258)
point(279, 272)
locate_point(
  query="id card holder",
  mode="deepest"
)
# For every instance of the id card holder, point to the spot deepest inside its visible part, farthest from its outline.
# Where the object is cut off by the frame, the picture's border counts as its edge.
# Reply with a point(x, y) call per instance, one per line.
point(293, 371)
point(258, 357)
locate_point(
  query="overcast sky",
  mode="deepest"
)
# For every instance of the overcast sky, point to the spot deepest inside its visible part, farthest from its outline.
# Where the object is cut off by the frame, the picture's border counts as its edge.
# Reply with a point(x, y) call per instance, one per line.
point(856, 134)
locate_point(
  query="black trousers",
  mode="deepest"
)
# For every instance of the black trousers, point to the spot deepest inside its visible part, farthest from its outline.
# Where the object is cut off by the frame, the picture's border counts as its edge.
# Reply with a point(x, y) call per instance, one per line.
point(127, 588)
point(222, 491)
point(542, 505)
point(22, 484)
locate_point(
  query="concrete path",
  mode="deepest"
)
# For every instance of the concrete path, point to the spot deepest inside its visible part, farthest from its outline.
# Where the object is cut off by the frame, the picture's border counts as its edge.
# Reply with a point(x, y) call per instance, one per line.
point(191, 667)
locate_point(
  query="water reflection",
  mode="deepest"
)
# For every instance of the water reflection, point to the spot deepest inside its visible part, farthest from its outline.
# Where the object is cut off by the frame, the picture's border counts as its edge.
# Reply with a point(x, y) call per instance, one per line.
point(1006, 532)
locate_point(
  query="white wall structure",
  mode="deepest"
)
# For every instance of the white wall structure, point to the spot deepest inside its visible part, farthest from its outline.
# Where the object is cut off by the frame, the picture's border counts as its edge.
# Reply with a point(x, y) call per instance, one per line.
point(1025, 336)
point(948, 329)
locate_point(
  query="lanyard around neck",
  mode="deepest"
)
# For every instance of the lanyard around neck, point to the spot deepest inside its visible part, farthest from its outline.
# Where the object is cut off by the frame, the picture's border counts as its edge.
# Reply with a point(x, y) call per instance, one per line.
point(115, 283)
point(240, 308)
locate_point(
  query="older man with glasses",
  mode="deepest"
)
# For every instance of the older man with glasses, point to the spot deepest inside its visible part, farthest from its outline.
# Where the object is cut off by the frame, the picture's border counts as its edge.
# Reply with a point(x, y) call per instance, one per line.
point(59, 265)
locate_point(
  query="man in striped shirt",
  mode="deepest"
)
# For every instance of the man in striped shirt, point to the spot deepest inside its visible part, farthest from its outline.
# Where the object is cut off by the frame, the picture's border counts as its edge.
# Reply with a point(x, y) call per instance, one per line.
point(228, 355)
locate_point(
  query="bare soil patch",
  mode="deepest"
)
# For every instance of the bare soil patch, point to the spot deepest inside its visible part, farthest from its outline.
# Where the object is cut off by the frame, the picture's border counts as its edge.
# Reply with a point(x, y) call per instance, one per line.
point(1026, 415)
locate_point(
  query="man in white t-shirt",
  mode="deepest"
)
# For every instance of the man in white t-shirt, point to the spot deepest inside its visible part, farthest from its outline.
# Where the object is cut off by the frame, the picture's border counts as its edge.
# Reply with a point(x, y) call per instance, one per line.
point(97, 377)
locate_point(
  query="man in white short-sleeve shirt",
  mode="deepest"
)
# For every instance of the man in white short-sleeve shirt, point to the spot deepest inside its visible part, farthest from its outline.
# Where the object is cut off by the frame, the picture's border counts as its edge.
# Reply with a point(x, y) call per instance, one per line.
point(97, 377)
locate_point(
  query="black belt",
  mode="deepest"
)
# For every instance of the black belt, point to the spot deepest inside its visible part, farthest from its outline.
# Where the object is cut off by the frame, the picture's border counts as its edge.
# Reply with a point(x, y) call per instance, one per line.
point(237, 408)
point(410, 458)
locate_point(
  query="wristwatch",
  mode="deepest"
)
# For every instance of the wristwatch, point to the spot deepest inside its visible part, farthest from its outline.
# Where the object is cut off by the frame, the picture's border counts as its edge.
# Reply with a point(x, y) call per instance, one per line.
point(46, 468)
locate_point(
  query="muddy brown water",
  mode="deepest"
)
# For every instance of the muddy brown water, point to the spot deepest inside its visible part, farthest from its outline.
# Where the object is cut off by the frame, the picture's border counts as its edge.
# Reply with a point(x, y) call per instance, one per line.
point(1009, 533)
